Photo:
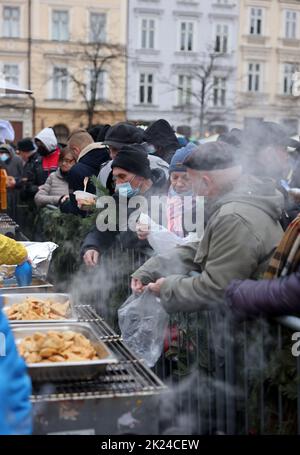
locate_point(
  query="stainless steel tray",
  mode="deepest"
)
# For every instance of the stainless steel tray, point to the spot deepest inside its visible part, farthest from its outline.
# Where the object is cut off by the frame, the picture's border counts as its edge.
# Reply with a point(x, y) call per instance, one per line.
point(37, 286)
point(10, 299)
point(67, 371)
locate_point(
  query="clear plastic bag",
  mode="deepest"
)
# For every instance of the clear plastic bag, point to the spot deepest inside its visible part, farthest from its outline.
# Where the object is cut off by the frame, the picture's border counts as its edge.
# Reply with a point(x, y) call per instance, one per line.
point(143, 323)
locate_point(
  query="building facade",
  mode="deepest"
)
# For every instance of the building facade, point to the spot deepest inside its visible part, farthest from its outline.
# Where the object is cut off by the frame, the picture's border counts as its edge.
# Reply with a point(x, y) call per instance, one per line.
point(53, 48)
point(269, 58)
point(182, 63)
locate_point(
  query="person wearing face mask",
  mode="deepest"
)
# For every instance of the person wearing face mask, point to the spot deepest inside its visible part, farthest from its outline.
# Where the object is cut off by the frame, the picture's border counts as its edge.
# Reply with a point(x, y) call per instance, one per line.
point(56, 185)
point(133, 177)
point(241, 234)
point(116, 137)
point(48, 149)
point(178, 202)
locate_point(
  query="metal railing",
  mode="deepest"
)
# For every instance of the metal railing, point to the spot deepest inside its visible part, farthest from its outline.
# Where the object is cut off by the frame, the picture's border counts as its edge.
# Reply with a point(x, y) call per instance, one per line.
point(223, 377)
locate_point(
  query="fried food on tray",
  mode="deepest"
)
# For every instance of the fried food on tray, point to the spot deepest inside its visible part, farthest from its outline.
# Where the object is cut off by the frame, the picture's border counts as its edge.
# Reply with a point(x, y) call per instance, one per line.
point(57, 347)
point(36, 309)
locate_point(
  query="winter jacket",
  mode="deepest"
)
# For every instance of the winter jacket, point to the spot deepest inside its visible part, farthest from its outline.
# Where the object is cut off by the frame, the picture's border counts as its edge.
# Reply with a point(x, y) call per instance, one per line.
point(11, 252)
point(15, 386)
point(102, 241)
point(53, 189)
point(50, 161)
point(14, 165)
point(278, 297)
point(34, 175)
point(242, 232)
point(89, 163)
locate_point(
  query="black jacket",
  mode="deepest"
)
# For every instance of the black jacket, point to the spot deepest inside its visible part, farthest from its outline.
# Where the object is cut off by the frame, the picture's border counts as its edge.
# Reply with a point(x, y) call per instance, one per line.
point(33, 177)
point(87, 166)
point(102, 241)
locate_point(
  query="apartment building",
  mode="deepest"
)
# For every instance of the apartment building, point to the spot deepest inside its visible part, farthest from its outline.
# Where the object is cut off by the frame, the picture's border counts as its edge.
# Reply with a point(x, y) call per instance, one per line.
point(269, 58)
point(170, 48)
point(51, 47)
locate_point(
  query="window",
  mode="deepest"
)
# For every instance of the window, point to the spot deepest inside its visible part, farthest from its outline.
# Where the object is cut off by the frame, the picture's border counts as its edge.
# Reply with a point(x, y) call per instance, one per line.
point(148, 34)
point(289, 71)
point(184, 90)
point(97, 85)
point(60, 25)
point(97, 27)
point(221, 43)
point(256, 21)
point(146, 88)
point(290, 24)
point(60, 83)
point(11, 74)
point(186, 36)
point(219, 92)
point(11, 22)
point(254, 77)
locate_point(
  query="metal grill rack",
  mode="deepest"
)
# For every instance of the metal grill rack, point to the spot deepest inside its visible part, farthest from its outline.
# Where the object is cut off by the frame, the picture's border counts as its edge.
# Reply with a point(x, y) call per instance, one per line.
point(129, 377)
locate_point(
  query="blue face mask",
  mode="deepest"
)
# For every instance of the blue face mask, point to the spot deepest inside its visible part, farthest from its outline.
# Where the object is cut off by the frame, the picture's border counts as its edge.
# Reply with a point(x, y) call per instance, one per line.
point(126, 190)
point(4, 157)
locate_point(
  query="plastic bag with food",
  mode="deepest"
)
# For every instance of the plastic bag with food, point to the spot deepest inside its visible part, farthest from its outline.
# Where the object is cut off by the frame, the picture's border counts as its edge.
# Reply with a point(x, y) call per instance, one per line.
point(143, 322)
point(160, 239)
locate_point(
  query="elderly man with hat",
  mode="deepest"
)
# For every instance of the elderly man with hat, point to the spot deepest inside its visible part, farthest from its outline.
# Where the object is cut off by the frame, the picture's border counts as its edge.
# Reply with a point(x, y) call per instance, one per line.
point(133, 176)
point(242, 232)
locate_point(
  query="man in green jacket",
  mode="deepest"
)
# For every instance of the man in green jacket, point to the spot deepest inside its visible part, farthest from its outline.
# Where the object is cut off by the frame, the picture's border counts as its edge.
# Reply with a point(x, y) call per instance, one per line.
point(242, 231)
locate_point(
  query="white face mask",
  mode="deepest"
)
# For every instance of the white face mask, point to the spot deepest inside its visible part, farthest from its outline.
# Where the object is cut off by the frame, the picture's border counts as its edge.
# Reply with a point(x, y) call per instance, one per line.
point(4, 157)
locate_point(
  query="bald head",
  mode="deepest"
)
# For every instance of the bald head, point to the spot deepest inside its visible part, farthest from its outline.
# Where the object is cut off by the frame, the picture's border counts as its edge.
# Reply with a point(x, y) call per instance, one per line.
point(78, 141)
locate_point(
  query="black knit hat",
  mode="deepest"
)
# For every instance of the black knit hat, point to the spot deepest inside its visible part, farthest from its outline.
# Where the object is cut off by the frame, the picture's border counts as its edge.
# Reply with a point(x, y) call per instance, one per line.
point(212, 156)
point(134, 159)
point(123, 134)
point(26, 145)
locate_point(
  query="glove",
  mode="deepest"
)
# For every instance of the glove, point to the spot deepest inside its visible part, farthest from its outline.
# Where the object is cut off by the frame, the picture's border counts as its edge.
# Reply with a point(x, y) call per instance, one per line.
point(23, 274)
point(15, 387)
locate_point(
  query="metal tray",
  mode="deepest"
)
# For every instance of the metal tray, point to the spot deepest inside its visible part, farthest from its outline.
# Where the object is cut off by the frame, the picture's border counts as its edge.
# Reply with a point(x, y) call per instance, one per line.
point(37, 286)
point(10, 299)
point(67, 371)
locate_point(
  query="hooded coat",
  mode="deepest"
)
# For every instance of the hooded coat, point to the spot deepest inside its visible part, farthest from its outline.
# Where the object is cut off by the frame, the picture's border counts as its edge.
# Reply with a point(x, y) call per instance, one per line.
point(53, 189)
point(242, 232)
point(278, 297)
point(14, 165)
point(162, 136)
point(50, 161)
point(102, 241)
point(89, 163)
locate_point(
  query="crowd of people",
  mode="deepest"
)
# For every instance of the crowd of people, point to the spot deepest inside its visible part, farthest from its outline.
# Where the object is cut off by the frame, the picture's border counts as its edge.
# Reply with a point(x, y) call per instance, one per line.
point(244, 178)
point(245, 258)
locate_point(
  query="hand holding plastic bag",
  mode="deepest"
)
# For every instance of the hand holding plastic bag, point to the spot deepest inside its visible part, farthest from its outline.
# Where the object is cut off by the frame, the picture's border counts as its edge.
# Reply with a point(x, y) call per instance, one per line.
point(143, 322)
